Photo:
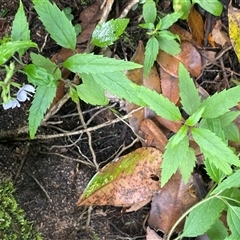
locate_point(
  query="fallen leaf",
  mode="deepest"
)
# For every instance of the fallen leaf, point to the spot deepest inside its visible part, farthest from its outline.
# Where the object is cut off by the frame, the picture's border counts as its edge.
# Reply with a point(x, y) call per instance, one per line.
point(234, 28)
point(174, 126)
point(219, 36)
point(126, 181)
point(153, 135)
point(152, 235)
point(195, 23)
point(170, 203)
point(189, 57)
point(181, 32)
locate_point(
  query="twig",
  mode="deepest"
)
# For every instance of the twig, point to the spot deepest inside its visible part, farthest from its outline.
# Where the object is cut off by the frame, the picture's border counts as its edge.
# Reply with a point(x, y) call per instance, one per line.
point(128, 8)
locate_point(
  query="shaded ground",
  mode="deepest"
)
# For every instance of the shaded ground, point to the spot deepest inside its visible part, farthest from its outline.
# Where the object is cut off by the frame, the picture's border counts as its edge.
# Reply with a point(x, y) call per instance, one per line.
point(50, 174)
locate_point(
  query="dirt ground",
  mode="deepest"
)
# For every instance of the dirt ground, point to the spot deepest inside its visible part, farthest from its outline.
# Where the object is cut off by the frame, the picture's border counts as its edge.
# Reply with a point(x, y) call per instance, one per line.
point(50, 174)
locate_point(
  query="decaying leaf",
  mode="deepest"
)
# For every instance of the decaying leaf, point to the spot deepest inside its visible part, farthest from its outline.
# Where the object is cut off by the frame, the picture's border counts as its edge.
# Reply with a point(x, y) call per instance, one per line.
point(129, 180)
point(181, 32)
point(234, 28)
point(152, 235)
point(220, 37)
point(195, 23)
point(189, 57)
point(170, 203)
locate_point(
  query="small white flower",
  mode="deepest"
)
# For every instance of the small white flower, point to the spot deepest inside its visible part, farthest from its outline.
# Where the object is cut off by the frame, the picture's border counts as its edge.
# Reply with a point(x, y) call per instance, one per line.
point(24, 92)
point(12, 103)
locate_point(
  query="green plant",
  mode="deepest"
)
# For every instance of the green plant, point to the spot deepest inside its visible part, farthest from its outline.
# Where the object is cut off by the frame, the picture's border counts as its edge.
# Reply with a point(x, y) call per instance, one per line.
point(13, 224)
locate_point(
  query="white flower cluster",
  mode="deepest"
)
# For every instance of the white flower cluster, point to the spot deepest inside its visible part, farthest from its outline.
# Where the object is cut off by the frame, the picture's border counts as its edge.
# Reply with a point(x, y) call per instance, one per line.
point(22, 96)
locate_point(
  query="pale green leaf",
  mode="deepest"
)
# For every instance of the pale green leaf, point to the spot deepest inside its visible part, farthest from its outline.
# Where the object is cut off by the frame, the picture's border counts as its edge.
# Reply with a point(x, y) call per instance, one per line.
point(232, 181)
point(149, 26)
point(106, 33)
point(195, 117)
point(56, 23)
point(202, 217)
point(169, 46)
point(184, 6)
point(213, 172)
point(149, 11)
point(232, 237)
point(215, 149)
point(190, 98)
point(47, 64)
point(20, 27)
point(220, 103)
point(89, 63)
point(169, 19)
point(9, 48)
point(159, 104)
point(214, 125)
point(212, 6)
point(168, 36)
point(90, 92)
point(39, 76)
point(151, 53)
point(232, 132)
point(217, 231)
point(173, 156)
point(42, 100)
point(233, 219)
point(73, 94)
point(228, 118)
point(178, 137)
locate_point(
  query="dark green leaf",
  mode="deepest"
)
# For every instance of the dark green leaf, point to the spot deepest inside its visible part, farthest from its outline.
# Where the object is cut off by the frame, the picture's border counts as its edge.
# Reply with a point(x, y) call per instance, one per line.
point(213, 172)
point(56, 23)
point(42, 100)
point(106, 33)
point(90, 92)
point(197, 222)
point(190, 98)
point(220, 103)
point(149, 11)
point(151, 53)
point(97, 64)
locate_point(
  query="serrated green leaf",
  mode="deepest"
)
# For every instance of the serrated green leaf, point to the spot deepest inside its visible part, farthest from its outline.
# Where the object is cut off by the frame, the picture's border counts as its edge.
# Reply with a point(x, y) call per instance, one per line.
point(178, 137)
point(159, 104)
point(106, 33)
point(39, 76)
point(169, 46)
point(184, 6)
point(194, 118)
point(20, 27)
point(169, 19)
point(168, 36)
point(217, 231)
point(97, 64)
point(173, 156)
point(228, 118)
point(232, 132)
point(73, 94)
point(56, 23)
point(42, 100)
point(233, 219)
point(231, 181)
point(90, 92)
point(197, 223)
point(47, 64)
point(214, 173)
point(149, 26)
point(215, 149)
point(9, 48)
point(149, 11)
point(190, 98)
point(151, 53)
point(220, 103)
point(212, 6)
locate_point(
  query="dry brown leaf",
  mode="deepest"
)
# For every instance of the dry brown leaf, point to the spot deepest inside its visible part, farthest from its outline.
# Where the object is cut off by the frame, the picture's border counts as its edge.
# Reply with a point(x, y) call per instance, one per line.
point(152, 82)
point(152, 235)
point(153, 135)
point(170, 203)
point(174, 126)
point(195, 23)
point(129, 180)
point(181, 32)
point(220, 37)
